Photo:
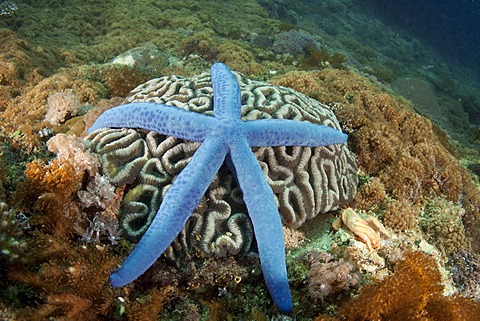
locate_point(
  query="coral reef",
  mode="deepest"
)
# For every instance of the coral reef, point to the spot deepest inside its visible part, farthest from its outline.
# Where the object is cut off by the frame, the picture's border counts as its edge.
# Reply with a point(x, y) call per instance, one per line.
point(113, 27)
point(202, 44)
point(71, 149)
point(317, 59)
point(21, 65)
point(406, 161)
point(27, 111)
point(119, 78)
point(56, 264)
point(68, 294)
point(413, 292)
point(55, 177)
point(147, 58)
point(392, 143)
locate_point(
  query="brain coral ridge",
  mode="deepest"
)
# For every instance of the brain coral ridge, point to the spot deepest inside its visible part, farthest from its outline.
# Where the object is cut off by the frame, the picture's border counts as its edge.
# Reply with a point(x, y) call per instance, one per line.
point(306, 180)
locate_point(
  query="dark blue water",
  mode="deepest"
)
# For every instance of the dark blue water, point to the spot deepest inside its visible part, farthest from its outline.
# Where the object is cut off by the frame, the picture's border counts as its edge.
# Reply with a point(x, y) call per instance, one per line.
point(450, 26)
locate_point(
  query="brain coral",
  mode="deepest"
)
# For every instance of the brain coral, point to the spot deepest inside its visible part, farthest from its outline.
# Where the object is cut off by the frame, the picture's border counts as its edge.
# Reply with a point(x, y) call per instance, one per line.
point(306, 181)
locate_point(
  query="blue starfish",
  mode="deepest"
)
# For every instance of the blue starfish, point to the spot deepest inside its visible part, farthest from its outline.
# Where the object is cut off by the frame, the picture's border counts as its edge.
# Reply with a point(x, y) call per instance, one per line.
point(221, 135)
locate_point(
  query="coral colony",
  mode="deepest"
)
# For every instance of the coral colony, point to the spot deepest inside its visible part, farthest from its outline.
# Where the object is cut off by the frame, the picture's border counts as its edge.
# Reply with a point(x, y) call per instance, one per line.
point(222, 136)
point(7, 8)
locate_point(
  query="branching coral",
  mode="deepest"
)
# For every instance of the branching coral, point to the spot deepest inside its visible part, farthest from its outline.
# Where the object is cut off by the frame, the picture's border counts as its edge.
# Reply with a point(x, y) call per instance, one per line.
point(71, 149)
point(24, 109)
point(292, 42)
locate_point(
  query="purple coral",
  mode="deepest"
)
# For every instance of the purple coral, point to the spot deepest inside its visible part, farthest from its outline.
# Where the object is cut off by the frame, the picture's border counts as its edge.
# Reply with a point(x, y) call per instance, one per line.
point(328, 276)
point(465, 270)
point(292, 42)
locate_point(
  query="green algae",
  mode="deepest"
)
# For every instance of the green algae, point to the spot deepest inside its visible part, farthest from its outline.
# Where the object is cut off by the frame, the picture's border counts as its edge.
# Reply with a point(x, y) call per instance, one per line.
point(97, 31)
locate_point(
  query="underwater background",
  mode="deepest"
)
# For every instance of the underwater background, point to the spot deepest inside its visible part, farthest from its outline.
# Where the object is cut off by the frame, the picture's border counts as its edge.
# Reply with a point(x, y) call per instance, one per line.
point(402, 79)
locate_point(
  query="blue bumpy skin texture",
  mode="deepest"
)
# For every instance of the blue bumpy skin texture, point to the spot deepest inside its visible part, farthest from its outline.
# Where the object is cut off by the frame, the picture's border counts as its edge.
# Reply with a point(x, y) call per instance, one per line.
point(224, 133)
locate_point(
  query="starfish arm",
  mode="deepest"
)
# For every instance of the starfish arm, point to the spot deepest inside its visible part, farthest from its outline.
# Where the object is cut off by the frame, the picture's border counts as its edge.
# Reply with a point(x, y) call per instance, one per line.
point(226, 97)
point(177, 206)
point(267, 225)
point(163, 119)
point(285, 132)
